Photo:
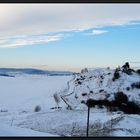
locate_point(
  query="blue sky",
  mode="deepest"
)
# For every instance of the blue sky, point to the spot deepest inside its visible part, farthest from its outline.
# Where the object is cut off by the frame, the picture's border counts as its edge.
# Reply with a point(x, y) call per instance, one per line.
point(80, 44)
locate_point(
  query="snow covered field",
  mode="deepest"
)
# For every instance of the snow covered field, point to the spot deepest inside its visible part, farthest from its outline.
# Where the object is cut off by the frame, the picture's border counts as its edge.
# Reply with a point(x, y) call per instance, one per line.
point(20, 95)
point(6, 130)
point(25, 92)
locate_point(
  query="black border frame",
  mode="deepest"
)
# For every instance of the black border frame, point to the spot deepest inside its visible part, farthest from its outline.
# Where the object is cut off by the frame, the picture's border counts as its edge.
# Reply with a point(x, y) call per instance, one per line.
point(72, 2)
point(69, 1)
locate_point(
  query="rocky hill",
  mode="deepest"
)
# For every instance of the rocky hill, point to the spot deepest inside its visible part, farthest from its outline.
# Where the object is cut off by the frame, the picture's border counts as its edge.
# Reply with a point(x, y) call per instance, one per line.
point(115, 89)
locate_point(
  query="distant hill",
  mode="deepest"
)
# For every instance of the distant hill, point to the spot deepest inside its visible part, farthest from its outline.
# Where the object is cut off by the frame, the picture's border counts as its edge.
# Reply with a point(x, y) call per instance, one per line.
point(13, 71)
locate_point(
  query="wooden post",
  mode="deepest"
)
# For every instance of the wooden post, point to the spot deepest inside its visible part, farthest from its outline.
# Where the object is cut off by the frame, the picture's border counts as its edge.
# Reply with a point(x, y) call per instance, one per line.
point(88, 121)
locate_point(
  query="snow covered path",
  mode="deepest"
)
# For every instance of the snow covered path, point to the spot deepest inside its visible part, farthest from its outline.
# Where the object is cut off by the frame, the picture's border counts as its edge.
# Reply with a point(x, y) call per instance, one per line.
point(64, 93)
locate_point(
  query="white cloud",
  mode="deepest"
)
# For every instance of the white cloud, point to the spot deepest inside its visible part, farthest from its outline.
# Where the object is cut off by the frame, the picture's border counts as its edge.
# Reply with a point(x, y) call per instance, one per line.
point(18, 19)
point(28, 19)
point(23, 41)
point(98, 32)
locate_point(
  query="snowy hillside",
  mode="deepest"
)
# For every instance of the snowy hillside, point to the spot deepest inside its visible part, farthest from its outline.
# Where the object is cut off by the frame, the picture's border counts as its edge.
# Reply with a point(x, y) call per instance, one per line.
point(104, 84)
point(56, 105)
point(6, 130)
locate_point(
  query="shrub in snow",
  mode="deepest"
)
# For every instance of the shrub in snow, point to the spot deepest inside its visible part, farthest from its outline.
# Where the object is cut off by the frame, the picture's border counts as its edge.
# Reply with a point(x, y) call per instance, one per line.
point(79, 82)
point(133, 85)
point(91, 91)
point(105, 103)
point(132, 108)
point(120, 103)
point(138, 71)
point(101, 81)
point(120, 97)
point(77, 79)
point(93, 103)
point(100, 106)
point(82, 102)
point(82, 78)
point(113, 109)
point(57, 99)
point(127, 69)
point(101, 90)
point(84, 70)
point(126, 66)
point(90, 103)
point(128, 88)
point(107, 95)
point(116, 75)
point(84, 94)
point(102, 77)
point(136, 85)
point(37, 108)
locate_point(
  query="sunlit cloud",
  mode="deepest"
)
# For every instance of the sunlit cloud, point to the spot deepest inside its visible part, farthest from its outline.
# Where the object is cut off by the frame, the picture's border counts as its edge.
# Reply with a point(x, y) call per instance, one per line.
point(98, 32)
point(18, 41)
point(18, 19)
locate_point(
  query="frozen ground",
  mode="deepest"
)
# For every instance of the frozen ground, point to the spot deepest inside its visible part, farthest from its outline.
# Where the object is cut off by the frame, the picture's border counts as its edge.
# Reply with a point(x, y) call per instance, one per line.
point(25, 92)
point(6, 130)
point(19, 95)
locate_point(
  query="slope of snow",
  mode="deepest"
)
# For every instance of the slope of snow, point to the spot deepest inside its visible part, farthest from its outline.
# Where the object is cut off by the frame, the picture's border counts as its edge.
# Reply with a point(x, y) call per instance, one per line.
point(129, 126)
point(59, 122)
point(71, 123)
point(25, 92)
point(98, 85)
point(6, 130)
point(20, 94)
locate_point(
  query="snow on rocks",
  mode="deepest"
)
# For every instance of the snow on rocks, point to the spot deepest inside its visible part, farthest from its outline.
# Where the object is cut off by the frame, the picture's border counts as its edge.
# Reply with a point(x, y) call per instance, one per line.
point(100, 84)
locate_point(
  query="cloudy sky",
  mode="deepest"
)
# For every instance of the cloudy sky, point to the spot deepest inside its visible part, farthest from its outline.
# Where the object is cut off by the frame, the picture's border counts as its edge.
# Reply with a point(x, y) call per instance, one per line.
point(69, 36)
